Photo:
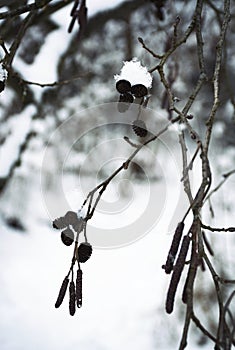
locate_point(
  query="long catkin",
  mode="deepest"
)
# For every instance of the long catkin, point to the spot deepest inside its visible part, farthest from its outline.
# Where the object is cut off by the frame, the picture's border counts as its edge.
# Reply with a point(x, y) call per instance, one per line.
point(79, 288)
point(62, 292)
point(174, 248)
point(72, 298)
point(175, 278)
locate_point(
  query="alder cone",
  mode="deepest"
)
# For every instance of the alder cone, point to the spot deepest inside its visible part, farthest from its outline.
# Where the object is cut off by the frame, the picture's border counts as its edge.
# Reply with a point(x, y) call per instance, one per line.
point(139, 128)
point(78, 226)
point(122, 107)
point(123, 86)
point(70, 218)
point(59, 223)
point(67, 237)
point(124, 102)
point(84, 252)
point(139, 90)
point(128, 98)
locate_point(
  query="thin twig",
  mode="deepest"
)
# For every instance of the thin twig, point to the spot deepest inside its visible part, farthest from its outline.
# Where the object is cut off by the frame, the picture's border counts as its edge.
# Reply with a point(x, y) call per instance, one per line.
point(23, 9)
point(220, 184)
point(216, 75)
point(218, 229)
point(148, 49)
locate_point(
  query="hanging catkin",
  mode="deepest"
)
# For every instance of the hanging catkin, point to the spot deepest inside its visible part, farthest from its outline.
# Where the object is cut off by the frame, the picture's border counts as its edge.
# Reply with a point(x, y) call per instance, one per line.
point(168, 267)
point(72, 298)
point(178, 268)
point(62, 292)
point(185, 290)
point(79, 288)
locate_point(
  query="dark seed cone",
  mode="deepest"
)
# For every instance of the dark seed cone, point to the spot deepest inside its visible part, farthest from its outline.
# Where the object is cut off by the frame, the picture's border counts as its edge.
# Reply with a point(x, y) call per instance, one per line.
point(72, 298)
point(70, 218)
point(62, 292)
point(122, 107)
point(123, 86)
point(139, 128)
point(78, 226)
point(127, 98)
point(139, 90)
point(84, 252)
point(67, 236)
point(175, 278)
point(168, 267)
point(79, 288)
point(124, 102)
point(2, 85)
point(59, 223)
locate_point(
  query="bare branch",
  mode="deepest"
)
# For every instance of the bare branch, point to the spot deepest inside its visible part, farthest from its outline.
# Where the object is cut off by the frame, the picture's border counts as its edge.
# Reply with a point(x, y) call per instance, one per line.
point(38, 4)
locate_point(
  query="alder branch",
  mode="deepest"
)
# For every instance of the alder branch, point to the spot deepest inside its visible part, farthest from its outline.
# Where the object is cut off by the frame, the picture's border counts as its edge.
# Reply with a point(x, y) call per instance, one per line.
point(216, 75)
point(55, 83)
point(23, 147)
point(220, 184)
point(16, 43)
point(186, 181)
point(38, 4)
point(148, 49)
point(217, 229)
point(103, 185)
point(196, 203)
point(202, 328)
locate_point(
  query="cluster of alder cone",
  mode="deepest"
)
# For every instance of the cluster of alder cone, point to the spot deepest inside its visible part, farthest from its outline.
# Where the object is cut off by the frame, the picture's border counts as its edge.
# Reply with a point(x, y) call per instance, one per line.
point(72, 224)
point(128, 94)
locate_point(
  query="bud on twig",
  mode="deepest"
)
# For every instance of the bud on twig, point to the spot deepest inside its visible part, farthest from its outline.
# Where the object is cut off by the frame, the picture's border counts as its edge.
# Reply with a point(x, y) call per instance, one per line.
point(177, 274)
point(62, 292)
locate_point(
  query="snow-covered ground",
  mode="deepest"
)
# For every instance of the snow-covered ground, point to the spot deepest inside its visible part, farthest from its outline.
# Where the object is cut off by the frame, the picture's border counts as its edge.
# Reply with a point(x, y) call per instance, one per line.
point(124, 293)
